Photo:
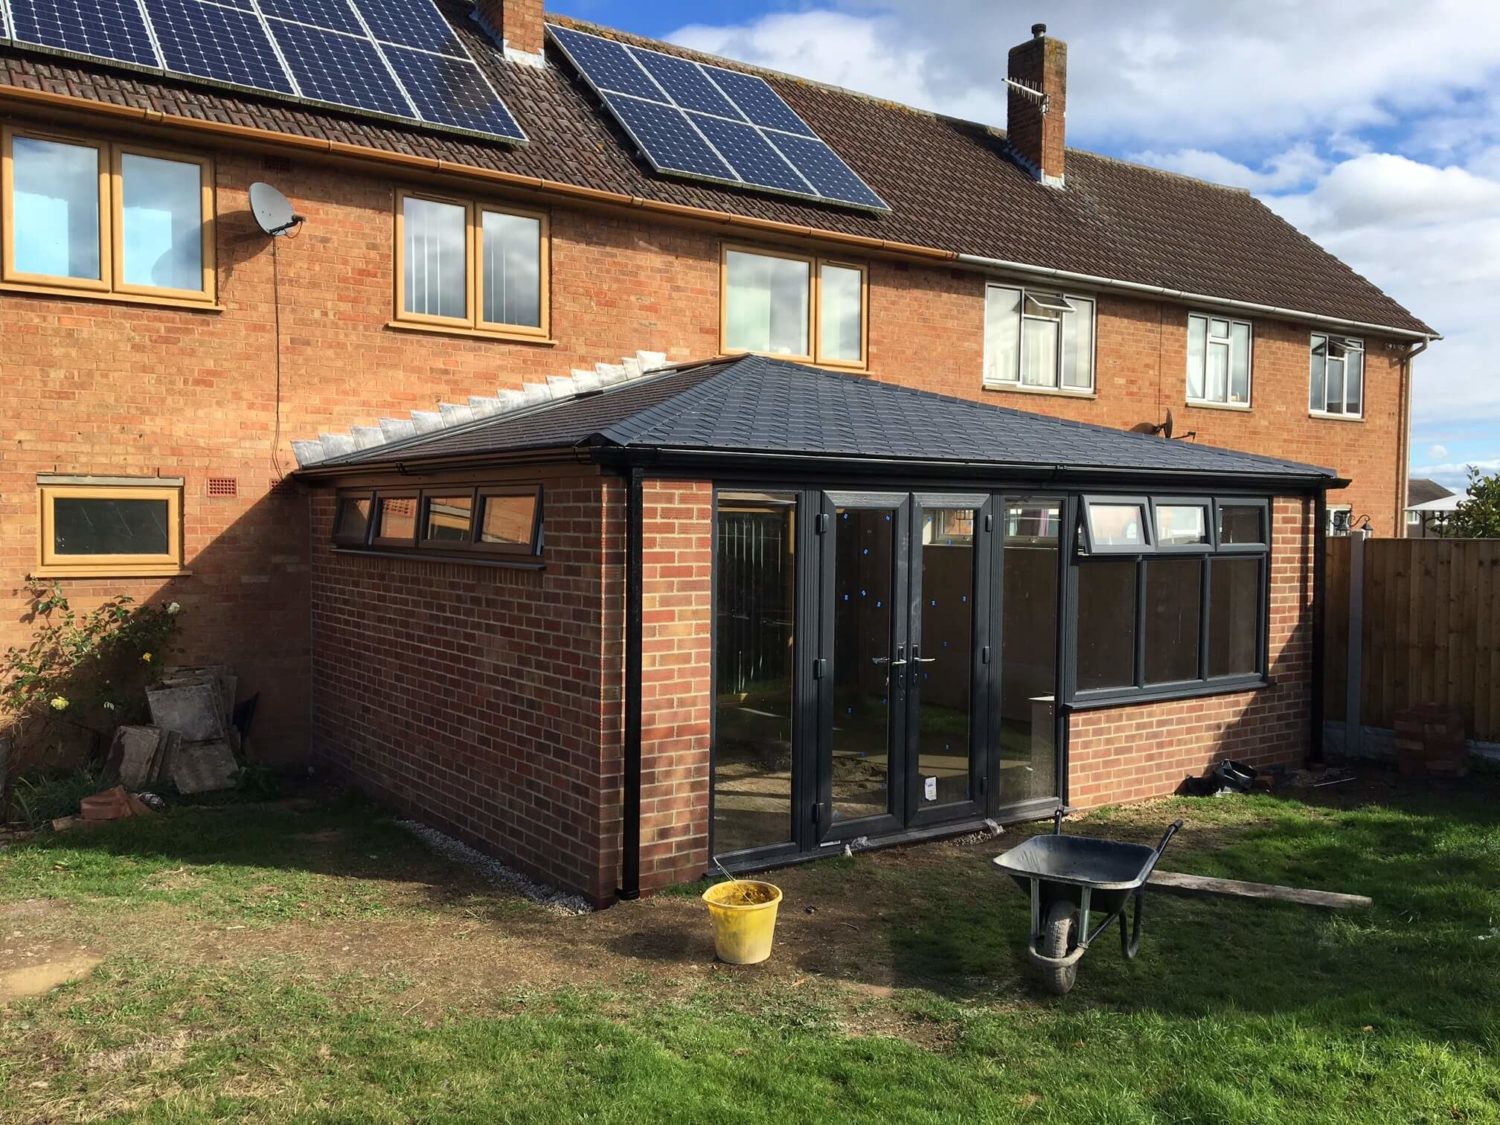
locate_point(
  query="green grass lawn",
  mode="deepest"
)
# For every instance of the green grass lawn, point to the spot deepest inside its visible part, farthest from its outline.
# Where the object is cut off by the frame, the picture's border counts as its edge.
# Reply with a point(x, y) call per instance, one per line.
point(313, 962)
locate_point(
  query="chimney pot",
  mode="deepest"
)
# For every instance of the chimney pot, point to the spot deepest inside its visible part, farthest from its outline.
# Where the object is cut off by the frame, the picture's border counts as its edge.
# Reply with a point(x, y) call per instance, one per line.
point(1036, 115)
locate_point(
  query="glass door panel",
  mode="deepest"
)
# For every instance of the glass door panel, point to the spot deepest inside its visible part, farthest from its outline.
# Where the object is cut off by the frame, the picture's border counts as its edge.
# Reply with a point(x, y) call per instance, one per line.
point(868, 660)
point(942, 656)
point(754, 660)
point(1028, 650)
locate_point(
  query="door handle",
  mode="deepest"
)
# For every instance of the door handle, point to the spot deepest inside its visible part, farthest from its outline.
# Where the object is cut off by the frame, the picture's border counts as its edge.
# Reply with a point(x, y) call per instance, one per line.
point(918, 658)
point(886, 661)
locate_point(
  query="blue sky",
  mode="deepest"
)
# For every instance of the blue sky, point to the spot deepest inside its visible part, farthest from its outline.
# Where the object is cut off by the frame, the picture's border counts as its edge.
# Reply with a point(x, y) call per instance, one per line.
point(1373, 125)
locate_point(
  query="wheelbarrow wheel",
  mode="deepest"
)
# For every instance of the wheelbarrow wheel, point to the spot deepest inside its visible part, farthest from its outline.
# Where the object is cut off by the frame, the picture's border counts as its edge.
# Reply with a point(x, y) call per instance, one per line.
point(1059, 938)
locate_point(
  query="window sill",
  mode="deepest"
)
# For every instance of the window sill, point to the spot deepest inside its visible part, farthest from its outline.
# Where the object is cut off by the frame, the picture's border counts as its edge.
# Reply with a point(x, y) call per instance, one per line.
point(185, 303)
point(1056, 392)
point(1206, 404)
point(1128, 697)
point(420, 554)
point(471, 333)
point(805, 361)
point(1325, 417)
point(163, 570)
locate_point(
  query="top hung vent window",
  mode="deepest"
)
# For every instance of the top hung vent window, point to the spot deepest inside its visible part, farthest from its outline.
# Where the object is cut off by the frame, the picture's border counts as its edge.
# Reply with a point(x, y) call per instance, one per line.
point(1038, 340)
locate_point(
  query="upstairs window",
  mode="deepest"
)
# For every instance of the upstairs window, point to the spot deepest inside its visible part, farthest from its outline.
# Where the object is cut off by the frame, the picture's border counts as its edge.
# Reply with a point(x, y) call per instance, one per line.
point(471, 267)
point(795, 307)
point(1038, 340)
point(1338, 376)
point(105, 218)
point(1218, 363)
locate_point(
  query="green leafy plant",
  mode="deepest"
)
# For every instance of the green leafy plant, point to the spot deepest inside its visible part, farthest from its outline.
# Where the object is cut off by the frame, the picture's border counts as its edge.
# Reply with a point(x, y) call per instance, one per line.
point(1479, 516)
point(83, 672)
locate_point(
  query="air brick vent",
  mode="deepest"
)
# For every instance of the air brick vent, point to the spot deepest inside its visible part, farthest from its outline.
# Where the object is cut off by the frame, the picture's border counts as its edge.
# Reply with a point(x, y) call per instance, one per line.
point(223, 486)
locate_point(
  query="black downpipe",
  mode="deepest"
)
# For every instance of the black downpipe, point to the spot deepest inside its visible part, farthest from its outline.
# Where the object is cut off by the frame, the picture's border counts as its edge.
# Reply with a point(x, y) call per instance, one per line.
point(1319, 592)
point(630, 859)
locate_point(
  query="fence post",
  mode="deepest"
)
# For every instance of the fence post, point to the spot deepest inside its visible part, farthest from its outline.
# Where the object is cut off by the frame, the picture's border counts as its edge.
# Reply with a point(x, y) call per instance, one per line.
point(1354, 676)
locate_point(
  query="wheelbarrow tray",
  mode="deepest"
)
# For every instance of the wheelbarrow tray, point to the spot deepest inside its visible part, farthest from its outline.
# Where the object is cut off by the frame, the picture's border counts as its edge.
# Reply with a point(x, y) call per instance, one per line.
point(1080, 861)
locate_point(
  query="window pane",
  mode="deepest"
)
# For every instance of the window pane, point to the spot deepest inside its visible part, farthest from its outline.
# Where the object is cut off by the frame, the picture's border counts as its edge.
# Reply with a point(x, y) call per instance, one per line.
point(1335, 403)
point(864, 579)
point(353, 519)
point(1219, 329)
point(1028, 651)
point(1039, 352)
point(1217, 389)
point(448, 518)
point(1181, 524)
point(1234, 617)
point(162, 211)
point(1241, 523)
point(508, 521)
point(1078, 345)
point(512, 269)
point(1239, 363)
point(840, 314)
point(1197, 354)
point(1116, 525)
point(1174, 592)
point(1354, 381)
point(755, 600)
point(1106, 624)
point(946, 635)
point(99, 526)
point(1002, 334)
point(1316, 399)
point(398, 518)
point(55, 204)
point(766, 307)
point(436, 258)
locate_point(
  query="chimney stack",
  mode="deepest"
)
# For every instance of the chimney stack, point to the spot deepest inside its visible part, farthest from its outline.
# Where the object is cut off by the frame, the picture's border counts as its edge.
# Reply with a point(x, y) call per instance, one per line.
point(515, 23)
point(1035, 115)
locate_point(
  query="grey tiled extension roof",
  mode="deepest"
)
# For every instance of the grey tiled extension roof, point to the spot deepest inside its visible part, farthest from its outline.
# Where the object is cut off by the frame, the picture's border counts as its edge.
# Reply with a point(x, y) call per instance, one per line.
point(951, 184)
point(755, 405)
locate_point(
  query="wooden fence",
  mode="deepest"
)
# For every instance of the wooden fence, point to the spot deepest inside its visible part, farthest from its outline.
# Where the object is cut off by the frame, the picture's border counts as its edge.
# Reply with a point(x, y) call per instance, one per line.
point(1428, 615)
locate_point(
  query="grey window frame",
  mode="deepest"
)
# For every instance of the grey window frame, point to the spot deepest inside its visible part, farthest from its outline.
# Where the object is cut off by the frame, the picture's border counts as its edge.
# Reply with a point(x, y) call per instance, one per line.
point(1141, 690)
point(467, 549)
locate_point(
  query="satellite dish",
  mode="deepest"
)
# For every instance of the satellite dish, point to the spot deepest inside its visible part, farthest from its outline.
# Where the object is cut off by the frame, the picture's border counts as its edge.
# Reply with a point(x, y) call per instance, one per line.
point(272, 211)
point(1164, 429)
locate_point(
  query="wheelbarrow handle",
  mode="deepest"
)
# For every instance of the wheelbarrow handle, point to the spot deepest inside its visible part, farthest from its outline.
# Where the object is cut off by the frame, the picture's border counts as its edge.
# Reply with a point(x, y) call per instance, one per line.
point(1166, 837)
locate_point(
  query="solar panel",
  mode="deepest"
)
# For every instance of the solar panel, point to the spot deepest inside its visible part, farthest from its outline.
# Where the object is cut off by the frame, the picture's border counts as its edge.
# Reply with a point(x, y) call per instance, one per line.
point(109, 29)
point(708, 122)
point(394, 58)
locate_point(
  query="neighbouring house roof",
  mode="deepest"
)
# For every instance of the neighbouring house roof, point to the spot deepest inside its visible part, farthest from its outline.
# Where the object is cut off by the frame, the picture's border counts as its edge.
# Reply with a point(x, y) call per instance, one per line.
point(1448, 503)
point(756, 407)
point(1421, 490)
point(950, 184)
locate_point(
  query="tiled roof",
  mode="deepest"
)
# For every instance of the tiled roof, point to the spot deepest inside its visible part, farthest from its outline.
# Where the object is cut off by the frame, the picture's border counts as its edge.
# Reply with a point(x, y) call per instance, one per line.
point(756, 405)
point(949, 183)
point(1422, 491)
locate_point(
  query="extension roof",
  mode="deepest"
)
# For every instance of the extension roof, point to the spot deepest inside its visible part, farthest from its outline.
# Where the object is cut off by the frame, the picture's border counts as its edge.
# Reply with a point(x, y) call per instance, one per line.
point(951, 185)
point(755, 407)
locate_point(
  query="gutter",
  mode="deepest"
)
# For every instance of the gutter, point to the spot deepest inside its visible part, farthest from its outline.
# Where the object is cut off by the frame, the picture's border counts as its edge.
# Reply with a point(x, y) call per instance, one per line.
point(71, 103)
point(1187, 297)
point(630, 820)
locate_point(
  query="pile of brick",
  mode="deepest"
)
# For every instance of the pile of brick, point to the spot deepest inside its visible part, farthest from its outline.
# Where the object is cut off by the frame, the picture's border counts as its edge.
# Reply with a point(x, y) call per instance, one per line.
point(1430, 741)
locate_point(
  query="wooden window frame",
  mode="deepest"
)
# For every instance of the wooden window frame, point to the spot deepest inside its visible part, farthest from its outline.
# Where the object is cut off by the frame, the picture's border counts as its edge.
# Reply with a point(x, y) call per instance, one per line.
point(54, 565)
point(472, 323)
point(815, 264)
point(466, 550)
point(110, 283)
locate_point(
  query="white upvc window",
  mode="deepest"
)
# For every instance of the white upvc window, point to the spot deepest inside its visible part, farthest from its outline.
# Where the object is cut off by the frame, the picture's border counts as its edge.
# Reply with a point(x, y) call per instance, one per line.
point(1038, 340)
point(1338, 376)
point(1218, 360)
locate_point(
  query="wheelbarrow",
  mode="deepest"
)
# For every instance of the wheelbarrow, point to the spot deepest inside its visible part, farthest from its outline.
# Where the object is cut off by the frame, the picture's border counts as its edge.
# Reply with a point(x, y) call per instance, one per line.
point(1073, 881)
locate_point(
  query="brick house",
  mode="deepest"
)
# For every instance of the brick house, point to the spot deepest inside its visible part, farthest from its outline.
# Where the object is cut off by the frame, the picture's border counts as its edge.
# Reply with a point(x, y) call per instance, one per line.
point(586, 653)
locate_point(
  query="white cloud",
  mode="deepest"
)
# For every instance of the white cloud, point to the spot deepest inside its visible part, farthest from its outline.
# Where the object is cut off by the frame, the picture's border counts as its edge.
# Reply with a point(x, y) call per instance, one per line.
point(1295, 167)
point(1454, 475)
point(1438, 453)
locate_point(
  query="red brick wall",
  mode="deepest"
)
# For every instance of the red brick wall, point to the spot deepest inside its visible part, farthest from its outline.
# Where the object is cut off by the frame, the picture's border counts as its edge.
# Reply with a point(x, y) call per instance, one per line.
point(93, 387)
point(484, 700)
point(1130, 753)
point(676, 680)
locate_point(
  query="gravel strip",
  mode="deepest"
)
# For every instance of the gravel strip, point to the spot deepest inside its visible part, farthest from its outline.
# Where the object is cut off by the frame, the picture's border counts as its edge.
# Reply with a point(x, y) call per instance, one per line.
point(495, 872)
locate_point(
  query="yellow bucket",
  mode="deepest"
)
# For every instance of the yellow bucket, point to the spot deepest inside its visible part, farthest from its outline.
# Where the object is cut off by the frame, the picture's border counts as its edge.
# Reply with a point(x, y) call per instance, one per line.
point(744, 916)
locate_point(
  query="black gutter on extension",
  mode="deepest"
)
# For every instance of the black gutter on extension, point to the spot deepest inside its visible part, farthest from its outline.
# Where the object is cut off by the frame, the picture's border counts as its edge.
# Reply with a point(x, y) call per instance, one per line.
point(630, 830)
